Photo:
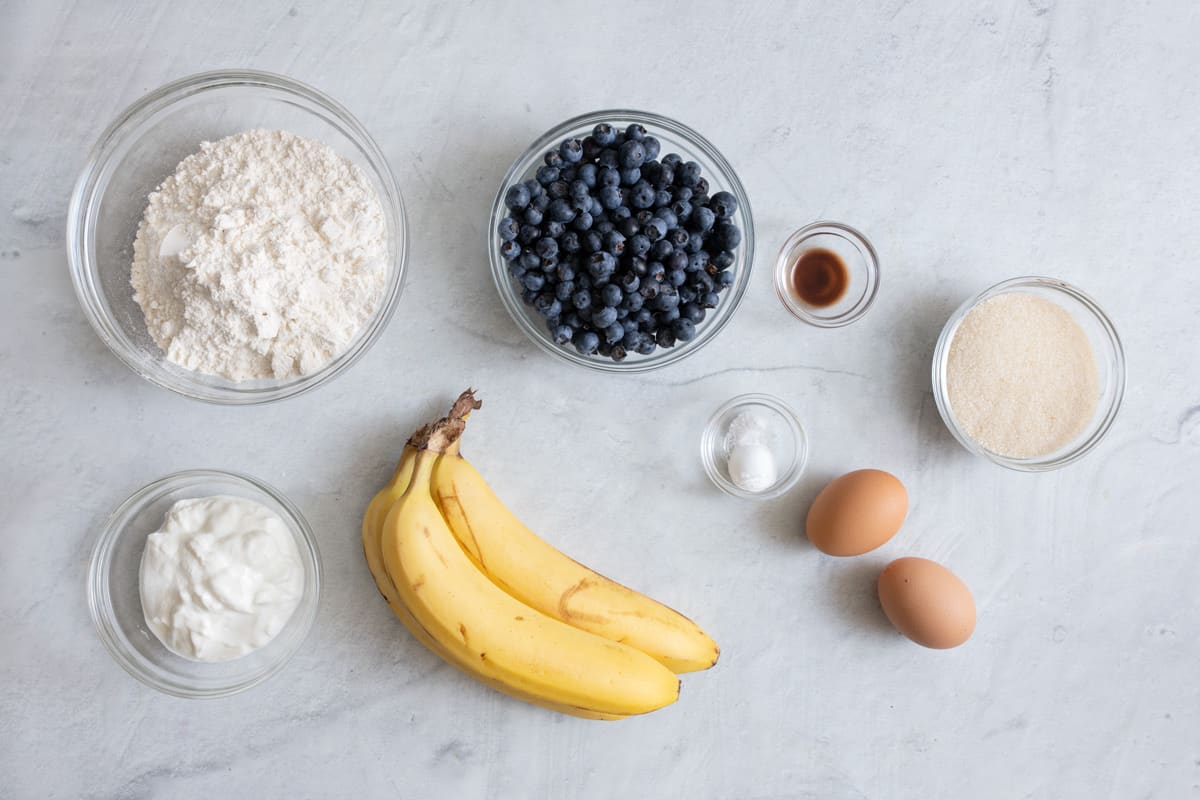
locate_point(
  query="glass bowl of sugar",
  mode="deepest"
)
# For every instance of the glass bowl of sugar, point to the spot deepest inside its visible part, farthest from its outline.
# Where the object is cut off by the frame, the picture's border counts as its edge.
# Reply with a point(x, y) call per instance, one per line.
point(1029, 374)
point(143, 147)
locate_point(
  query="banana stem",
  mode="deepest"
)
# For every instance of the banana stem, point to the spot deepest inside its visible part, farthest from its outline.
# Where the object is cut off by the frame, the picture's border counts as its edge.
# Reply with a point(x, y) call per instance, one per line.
point(443, 435)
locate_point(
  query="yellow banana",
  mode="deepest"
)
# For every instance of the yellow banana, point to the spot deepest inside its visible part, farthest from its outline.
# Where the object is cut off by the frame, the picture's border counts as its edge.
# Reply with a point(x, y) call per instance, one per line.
point(532, 571)
point(505, 641)
point(372, 534)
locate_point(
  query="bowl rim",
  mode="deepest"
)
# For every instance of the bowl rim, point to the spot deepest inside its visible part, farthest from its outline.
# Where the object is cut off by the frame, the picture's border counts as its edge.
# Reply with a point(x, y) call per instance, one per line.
point(799, 462)
point(86, 194)
point(97, 586)
point(865, 301)
point(694, 139)
point(1087, 442)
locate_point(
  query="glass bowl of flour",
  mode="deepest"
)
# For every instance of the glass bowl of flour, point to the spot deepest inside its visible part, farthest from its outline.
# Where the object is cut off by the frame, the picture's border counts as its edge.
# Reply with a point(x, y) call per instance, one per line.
point(237, 237)
point(1029, 374)
point(115, 588)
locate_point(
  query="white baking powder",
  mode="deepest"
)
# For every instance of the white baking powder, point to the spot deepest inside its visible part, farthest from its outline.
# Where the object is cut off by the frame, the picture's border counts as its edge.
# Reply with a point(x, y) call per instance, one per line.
point(260, 257)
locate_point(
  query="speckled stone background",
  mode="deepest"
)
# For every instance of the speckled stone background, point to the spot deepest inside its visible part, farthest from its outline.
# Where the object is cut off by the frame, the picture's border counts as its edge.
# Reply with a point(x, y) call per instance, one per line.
point(971, 141)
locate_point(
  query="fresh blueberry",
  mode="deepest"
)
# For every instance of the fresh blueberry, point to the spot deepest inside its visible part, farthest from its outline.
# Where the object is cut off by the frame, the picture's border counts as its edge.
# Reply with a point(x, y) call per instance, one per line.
point(695, 243)
point(652, 172)
point(636, 132)
point(662, 198)
point(661, 249)
point(534, 281)
point(651, 145)
point(677, 237)
point(564, 291)
point(614, 333)
point(723, 259)
point(687, 294)
point(546, 248)
point(665, 338)
point(510, 250)
point(561, 211)
point(540, 202)
point(724, 204)
point(688, 174)
point(587, 173)
point(571, 151)
point(582, 204)
point(553, 158)
point(611, 294)
point(632, 154)
point(582, 222)
point(655, 229)
point(609, 158)
point(697, 261)
point(558, 189)
point(530, 260)
point(630, 176)
point(639, 244)
point(549, 265)
point(637, 265)
point(702, 219)
point(579, 188)
point(607, 176)
point(554, 229)
point(563, 334)
point(646, 346)
point(547, 175)
point(709, 300)
point(610, 197)
point(703, 282)
point(692, 312)
point(570, 240)
point(725, 278)
point(629, 227)
point(508, 229)
point(668, 297)
point(533, 216)
point(528, 297)
point(672, 159)
point(632, 338)
point(682, 209)
point(666, 175)
point(517, 196)
point(614, 242)
point(604, 226)
point(601, 266)
point(727, 236)
point(684, 329)
point(596, 209)
point(547, 305)
point(593, 242)
point(677, 260)
point(604, 350)
point(582, 300)
point(676, 277)
point(649, 290)
point(629, 282)
point(666, 316)
point(642, 196)
point(604, 316)
point(656, 272)
point(604, 134)
point(633, 302)
point(702, 187)
point(516, 270)
point(572, 318)
point(586, 342)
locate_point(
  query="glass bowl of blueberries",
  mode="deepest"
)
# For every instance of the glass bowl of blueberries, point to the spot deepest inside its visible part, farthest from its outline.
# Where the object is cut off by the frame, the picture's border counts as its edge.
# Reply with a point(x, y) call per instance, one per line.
point(621, 241)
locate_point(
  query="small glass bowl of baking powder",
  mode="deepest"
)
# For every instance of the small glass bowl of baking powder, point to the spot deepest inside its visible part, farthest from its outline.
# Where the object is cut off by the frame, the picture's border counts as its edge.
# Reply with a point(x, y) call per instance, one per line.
point(754, 447)
point(1109, 371)
point(142, 147)
point(115, 602)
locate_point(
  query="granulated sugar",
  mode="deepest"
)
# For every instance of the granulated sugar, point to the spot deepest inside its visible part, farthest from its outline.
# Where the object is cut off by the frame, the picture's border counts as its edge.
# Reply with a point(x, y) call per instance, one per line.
point(1021, 376)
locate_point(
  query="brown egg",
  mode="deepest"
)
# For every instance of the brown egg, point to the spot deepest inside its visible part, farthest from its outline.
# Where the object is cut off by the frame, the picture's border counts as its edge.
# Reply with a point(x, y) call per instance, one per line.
point(927, 602)
point(857, 512)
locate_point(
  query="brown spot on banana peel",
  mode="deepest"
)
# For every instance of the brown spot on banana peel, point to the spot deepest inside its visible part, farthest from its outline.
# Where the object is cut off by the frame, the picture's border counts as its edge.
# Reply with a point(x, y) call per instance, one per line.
point(475, 551)
point(564, 604)
point(462, 631)
point(417, 584)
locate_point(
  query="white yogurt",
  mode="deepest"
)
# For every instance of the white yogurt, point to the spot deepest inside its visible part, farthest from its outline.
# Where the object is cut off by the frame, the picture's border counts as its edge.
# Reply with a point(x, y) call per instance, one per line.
point(220, 579)
point(749, 457)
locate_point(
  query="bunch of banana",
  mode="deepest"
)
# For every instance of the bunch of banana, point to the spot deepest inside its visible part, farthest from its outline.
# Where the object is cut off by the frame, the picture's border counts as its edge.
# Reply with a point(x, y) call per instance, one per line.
point(485, 593)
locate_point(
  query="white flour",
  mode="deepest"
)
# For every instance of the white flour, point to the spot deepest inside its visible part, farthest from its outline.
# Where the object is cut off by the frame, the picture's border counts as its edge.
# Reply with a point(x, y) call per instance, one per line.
point(260, 257)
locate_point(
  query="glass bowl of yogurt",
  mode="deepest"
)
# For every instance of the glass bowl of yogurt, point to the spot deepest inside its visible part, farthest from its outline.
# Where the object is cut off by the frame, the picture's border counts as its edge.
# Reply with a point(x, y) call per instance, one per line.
point(230, 575)
point(754, 447)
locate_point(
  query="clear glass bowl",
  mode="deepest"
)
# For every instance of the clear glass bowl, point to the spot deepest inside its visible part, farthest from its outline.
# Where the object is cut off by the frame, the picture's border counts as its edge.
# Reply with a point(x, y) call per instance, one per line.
point(675, 138)
point(115, 602)
point(856, 253)
point(784, 434)
point(1110, 369)
point(142, 147)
